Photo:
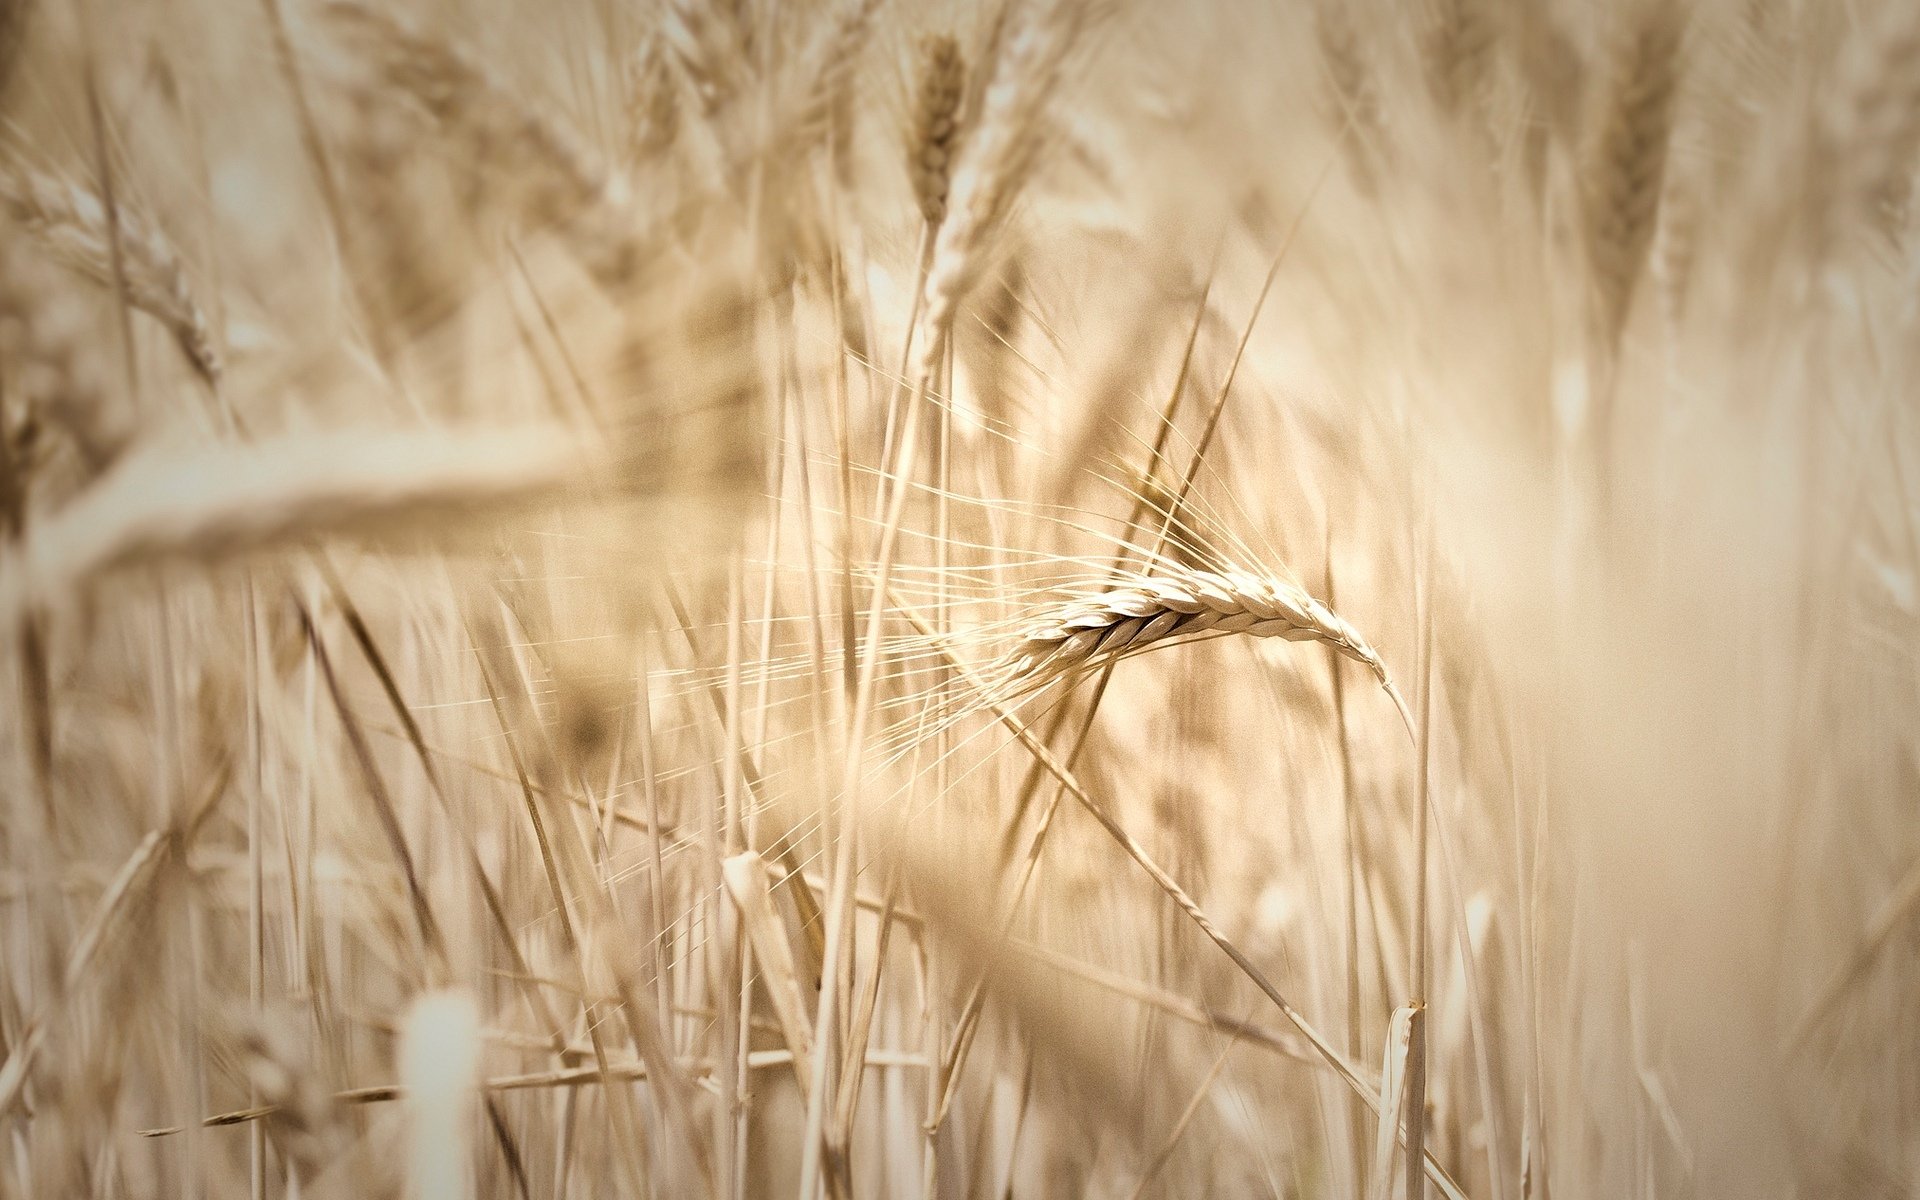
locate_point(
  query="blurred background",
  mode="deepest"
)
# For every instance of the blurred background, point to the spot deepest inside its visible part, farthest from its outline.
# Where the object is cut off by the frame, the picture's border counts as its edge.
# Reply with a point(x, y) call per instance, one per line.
point(515, 517)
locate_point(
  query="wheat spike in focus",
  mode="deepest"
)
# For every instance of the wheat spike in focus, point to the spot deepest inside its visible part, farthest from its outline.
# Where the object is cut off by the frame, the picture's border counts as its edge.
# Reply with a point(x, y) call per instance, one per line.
point(1105, 626)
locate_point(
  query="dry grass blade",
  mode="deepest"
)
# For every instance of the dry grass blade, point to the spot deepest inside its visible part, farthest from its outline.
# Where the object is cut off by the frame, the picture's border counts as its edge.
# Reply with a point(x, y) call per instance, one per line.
point(1392, 1104)
point(745, 876)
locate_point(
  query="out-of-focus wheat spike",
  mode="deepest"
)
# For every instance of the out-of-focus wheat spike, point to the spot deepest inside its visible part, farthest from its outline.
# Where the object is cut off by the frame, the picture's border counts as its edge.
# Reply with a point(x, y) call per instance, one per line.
point(1626, 164)
point(1458, 50)
point(706, 45)
point(1553, 74)
point(994, 164)
point(50, 379)
point(464, 94)
point(556, 178)
point(1871, 132)
point(825, 111)
point(936, 129)
point(1174, 606)
point(440, 1069)
point(653, 101)
point(71, 222)
point(1676, 244)
point(988, 44)
point(1354, 98)
point(214, 502)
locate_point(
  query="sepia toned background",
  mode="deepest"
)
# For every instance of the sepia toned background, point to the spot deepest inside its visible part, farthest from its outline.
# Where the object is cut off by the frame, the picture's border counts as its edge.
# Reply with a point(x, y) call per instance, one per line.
point(564, 570)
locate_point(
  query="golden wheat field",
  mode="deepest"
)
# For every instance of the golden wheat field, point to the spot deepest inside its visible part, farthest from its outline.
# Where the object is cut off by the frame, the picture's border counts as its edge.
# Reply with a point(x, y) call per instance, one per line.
point(1032, 598)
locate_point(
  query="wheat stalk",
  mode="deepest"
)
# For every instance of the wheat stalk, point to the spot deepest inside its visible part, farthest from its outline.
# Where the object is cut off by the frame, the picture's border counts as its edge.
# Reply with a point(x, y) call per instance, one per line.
point(71, 223)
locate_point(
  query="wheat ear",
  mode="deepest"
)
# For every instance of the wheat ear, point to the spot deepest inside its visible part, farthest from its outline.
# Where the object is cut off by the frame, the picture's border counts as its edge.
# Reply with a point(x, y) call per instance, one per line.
point(936, 126)
point(825, 110)
point(1093, 630)
point(1872, 129)
point(653, 101)
point(1628, 164)
point(999, 153)
point(559, 179)
point(215, 502)
point(71, 223)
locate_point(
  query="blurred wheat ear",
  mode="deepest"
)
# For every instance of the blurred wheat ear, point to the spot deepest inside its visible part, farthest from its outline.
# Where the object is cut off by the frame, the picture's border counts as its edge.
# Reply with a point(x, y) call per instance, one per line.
point(71, 223)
